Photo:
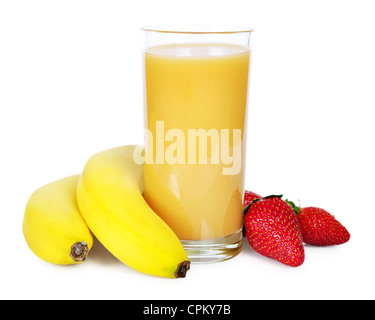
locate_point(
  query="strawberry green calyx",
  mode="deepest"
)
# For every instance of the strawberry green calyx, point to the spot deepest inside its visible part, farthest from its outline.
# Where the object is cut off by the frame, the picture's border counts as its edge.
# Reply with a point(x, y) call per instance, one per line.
point(256, 200)
point(296, 208)
point(273, 196)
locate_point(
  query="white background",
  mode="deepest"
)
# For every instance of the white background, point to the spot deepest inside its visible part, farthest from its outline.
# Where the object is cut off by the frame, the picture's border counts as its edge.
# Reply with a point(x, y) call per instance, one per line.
point(71, 86)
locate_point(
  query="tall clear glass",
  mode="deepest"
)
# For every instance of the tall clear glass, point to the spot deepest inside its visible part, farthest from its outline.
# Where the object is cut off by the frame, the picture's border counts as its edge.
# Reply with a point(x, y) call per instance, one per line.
point(196, 91)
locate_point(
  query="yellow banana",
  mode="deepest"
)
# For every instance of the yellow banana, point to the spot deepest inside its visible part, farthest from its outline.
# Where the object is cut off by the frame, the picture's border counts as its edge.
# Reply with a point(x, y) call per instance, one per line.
point(53, 226)
point(109, 195)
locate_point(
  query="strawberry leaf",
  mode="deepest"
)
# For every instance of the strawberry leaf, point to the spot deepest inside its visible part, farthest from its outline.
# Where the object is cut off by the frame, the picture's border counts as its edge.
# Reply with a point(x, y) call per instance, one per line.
point(296, 208)
point(273, 196)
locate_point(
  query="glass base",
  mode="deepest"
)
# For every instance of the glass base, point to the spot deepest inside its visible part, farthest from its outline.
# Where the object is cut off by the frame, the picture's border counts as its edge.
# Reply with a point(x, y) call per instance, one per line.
point(213, 250)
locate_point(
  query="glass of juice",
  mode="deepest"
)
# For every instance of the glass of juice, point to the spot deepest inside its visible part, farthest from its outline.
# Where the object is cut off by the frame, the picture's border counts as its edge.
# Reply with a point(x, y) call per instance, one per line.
point(196, 92)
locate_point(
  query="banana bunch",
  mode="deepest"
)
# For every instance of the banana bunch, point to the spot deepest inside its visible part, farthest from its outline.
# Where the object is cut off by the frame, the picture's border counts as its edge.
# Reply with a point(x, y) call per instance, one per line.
point(105, 199)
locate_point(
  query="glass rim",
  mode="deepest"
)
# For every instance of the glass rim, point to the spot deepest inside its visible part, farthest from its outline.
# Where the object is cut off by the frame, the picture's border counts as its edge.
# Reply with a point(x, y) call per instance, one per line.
point(196, 29)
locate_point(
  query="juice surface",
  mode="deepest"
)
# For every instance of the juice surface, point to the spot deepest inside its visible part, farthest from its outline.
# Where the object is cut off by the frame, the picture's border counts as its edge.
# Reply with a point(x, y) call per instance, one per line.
point(196, 87)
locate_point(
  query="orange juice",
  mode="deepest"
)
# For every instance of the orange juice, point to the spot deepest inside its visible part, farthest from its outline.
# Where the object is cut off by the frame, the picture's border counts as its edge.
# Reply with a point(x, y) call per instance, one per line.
point(196, 97)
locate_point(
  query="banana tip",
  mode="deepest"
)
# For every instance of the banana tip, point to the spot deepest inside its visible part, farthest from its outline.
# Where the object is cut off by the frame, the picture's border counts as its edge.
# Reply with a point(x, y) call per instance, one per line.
point(182, 269)
point(79, 251)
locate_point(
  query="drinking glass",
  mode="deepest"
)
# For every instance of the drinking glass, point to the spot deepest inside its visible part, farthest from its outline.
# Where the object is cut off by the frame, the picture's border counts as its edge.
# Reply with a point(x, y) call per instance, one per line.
point(196, 92)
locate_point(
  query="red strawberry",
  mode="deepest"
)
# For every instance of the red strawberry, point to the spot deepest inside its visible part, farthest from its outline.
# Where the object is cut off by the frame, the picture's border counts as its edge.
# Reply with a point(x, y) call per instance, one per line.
point(273, 231)
point(249, 197)
point(320, 228)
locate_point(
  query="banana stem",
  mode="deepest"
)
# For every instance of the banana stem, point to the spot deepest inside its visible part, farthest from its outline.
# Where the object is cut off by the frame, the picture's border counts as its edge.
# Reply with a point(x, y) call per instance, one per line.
point(182, 269)
point(79, 251)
